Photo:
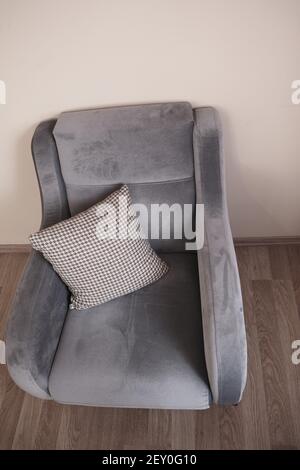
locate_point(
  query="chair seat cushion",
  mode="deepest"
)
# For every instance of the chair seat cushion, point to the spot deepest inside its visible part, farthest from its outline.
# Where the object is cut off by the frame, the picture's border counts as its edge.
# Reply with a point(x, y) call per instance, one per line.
point(143, 350)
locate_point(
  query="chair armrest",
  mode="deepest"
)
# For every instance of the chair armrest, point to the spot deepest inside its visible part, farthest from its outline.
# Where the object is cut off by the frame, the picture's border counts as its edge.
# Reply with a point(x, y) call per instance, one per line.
point(35, 324)
point(221, 298)
point(41, 300)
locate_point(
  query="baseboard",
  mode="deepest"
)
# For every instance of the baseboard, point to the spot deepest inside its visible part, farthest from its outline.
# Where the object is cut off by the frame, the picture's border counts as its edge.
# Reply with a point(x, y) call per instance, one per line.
point(15, 248)
point(258, 241)
point(242, 241)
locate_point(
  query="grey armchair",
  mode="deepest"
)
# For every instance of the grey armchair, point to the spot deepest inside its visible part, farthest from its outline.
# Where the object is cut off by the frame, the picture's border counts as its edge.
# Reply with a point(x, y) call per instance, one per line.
point(179, 343)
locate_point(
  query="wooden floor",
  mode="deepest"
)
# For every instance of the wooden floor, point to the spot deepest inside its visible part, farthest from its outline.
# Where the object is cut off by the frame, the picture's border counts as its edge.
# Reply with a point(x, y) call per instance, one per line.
point(268, 416)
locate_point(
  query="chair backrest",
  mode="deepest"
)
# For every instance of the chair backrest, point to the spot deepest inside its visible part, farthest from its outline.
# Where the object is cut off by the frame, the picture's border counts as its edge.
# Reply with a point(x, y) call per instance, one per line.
point(148, 147)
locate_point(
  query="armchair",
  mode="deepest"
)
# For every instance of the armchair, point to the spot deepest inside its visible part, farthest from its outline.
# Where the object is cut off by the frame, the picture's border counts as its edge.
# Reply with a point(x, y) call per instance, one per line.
point(179, 343)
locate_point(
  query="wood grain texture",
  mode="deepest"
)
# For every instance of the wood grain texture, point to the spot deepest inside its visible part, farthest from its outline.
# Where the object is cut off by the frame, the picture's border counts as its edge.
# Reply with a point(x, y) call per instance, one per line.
point(278, 400)
point(266, 241)
point(267, 417)
point(294, 262)
point(48, 426)
point(11, 268)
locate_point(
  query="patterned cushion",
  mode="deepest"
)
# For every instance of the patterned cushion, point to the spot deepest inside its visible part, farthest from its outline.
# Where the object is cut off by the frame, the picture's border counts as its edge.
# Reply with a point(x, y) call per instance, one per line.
point(100, 253)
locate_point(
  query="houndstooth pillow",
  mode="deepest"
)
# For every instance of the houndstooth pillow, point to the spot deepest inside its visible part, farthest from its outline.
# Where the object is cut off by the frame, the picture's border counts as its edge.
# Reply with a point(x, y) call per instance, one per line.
point(100, 253)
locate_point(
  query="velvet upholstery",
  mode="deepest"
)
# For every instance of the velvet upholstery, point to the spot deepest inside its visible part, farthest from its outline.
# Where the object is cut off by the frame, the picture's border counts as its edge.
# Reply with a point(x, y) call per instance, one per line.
point(41, 301)
point(127, 353)
point(35, 325)
point(55, 205)
point(222, 305)
point(134, 144)
point(142, 350)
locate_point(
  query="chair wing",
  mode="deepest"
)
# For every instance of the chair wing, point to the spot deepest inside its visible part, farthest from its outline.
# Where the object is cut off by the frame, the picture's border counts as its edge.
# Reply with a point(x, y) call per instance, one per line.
point(41, 300)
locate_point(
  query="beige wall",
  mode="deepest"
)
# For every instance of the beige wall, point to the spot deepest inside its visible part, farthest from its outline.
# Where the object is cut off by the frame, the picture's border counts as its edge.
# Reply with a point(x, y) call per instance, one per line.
point(238, 55)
